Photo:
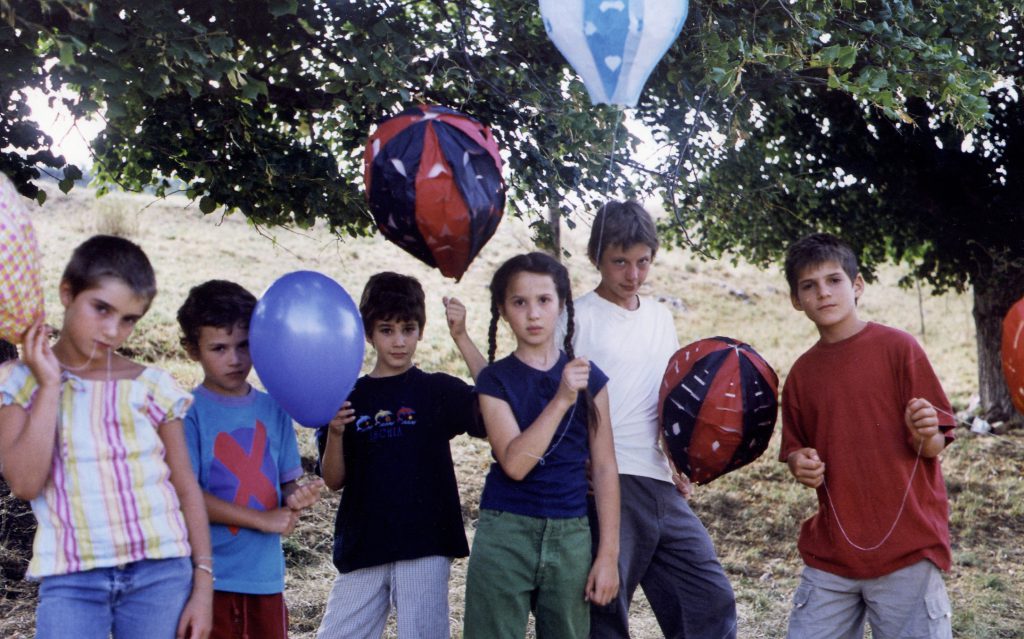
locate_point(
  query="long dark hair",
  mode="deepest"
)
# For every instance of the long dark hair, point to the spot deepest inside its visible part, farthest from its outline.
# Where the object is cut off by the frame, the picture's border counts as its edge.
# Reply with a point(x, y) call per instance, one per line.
point(539, 264)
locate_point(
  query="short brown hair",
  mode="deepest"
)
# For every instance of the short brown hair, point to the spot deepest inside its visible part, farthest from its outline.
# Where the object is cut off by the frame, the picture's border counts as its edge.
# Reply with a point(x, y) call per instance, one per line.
point(621, 224)
point(215, 303)
point(392, 296)
point(103, 256)
point(815, 249)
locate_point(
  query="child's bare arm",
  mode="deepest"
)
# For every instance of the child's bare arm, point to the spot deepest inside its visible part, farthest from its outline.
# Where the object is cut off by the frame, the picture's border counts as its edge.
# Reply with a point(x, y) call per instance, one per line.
point(923, 421)
point(519, 450)
point(807, 467)
point(197, 618)
point(301, 496)
point(603, 580)
point(276, 520)
point(27, 437)
point(455, 313)
point(332, 463)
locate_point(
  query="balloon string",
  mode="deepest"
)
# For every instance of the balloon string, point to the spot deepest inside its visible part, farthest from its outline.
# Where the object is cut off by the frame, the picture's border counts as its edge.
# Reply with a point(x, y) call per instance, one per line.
point(551, 449)
point(76, 369)
point(608, 178)
point(899, 514)
point(903, 503)
point(959, 419)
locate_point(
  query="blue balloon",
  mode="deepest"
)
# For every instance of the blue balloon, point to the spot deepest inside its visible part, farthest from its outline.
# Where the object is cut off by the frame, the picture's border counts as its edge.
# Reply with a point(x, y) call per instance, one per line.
point(306, 341)
point(613, 44)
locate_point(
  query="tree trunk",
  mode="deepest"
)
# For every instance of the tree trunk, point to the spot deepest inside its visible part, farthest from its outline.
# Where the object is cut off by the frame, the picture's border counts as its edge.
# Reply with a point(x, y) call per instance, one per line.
point(994, 294)
point(555, 226)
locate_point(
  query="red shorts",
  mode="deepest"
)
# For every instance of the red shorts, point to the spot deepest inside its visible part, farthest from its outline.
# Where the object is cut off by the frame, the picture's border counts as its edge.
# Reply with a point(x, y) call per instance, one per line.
point(241, 616)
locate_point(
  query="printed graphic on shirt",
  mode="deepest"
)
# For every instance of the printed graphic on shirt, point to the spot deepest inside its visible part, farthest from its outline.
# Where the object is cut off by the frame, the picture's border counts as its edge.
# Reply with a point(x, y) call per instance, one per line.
point(385, 424)
point(243, 470)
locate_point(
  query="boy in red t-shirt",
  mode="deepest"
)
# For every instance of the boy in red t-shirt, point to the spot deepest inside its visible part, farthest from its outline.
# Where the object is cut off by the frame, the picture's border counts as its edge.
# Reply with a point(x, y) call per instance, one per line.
point(864, 420)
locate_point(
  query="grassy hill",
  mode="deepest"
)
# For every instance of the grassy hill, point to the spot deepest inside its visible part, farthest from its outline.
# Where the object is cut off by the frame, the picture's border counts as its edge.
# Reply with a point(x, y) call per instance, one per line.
point(753, 515)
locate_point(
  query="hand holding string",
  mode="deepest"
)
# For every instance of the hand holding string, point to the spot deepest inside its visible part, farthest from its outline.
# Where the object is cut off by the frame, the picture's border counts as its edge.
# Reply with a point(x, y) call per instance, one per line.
point(807, 467)
point(575, 376)
point(38, 355)
point(922, 419)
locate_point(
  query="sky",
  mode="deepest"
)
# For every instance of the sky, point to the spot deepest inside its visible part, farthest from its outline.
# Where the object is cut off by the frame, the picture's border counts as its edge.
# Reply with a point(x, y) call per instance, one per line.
point(69, 140)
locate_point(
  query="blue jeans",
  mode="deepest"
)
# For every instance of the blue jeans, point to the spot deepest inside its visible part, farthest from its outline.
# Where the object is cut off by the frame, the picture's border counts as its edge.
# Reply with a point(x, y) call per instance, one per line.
point(143, 599)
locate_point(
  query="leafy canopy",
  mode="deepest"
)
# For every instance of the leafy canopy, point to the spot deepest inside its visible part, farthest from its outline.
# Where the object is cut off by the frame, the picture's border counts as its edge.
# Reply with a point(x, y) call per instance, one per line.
point(851, 117)
point(264, 105)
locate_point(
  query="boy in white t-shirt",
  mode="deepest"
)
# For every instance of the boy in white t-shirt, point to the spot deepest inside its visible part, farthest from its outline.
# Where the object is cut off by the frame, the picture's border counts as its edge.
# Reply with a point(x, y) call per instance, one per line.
point(664, 548)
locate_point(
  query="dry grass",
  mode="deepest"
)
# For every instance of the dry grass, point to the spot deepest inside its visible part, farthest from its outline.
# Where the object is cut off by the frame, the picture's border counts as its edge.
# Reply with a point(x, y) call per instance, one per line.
point(753, 515)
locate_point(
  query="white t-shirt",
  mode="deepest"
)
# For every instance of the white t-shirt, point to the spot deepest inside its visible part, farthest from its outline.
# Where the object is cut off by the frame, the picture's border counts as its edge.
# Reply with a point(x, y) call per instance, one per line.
point(633, 349)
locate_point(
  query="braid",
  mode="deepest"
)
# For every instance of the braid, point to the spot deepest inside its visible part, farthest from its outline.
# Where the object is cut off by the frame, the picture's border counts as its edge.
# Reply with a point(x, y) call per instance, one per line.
point(570, 328)
point(593, 417)
point(492, 332)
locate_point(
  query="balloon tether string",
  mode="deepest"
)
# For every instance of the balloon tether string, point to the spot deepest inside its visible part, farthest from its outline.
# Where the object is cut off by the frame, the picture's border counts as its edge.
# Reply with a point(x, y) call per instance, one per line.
point(608, 178)
point(903, 503)
point(551, 449)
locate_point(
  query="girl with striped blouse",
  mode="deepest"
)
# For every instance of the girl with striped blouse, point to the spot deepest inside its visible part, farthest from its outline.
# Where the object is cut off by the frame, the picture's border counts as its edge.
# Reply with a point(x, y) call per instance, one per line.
point(95, 442)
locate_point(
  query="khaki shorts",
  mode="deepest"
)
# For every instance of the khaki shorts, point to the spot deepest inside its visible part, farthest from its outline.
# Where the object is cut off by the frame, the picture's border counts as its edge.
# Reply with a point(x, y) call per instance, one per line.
point(910, 603)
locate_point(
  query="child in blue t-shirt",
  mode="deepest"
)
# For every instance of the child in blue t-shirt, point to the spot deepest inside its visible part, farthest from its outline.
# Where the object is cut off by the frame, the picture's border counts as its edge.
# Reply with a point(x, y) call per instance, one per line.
point(400, 522)
point(546, 414)
point(245, 455)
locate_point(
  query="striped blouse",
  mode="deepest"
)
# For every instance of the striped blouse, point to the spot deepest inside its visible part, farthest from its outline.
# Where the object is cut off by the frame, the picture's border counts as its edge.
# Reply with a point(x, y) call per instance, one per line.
point(108, 500)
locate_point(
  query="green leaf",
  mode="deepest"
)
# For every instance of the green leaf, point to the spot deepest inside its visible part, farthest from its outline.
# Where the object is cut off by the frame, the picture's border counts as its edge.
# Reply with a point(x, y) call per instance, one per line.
point(219, 44)
point(829, 55)
point(67, 53)
point(65, 185)
point(207, 205)
point(72, 172)
point(847, 56)
point(250, 90)
point(279, 8)
point(41, 196)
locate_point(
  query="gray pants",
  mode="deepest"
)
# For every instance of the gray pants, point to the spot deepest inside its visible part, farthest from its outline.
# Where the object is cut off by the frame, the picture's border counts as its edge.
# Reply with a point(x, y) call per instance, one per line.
point(667, 551)
point(910, 603)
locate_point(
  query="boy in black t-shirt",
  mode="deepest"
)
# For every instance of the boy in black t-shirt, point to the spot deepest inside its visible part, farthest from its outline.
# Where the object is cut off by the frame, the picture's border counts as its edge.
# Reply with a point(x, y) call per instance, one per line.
point(400, 521)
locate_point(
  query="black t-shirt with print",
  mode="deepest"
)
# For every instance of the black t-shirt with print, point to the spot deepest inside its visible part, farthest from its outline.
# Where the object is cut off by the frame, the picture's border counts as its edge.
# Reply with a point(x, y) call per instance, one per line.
point(400, 499)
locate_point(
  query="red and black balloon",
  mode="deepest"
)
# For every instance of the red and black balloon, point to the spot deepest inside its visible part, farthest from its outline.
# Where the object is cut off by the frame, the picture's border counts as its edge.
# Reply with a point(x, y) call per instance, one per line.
point(1012, 351)
point(433, 181)
point(719, 402)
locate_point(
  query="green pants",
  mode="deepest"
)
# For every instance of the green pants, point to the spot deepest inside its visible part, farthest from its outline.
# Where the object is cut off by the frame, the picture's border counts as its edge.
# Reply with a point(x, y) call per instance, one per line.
point(519, 564)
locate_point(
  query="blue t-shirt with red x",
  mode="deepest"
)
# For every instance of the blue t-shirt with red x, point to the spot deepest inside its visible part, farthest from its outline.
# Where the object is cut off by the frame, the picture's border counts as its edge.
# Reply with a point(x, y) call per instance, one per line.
point(243, 449)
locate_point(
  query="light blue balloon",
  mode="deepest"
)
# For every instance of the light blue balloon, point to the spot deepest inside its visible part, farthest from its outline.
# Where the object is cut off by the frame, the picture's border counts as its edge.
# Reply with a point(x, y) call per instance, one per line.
point(613, 44)
point(306, 341)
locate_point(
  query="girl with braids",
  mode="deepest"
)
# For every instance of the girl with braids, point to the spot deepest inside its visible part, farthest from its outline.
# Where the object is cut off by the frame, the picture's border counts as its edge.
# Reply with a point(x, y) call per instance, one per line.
point(532, 549)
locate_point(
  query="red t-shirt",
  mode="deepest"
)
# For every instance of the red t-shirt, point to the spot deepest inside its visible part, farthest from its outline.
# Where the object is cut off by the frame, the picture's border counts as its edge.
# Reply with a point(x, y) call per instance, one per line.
point(846, 400)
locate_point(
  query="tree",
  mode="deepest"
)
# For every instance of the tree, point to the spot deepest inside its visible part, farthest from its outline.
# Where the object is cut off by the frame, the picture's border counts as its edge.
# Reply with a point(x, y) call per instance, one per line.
point(901, 181)
point(263, 106)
